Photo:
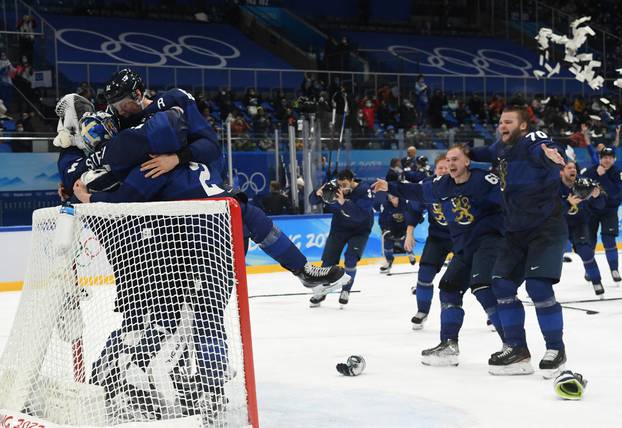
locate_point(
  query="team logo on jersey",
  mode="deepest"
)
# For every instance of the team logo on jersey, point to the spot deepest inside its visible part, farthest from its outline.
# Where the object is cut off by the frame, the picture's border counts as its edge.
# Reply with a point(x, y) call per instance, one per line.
point(574, 210)
point(461, 206)
point(398, 217)
point(439, 217)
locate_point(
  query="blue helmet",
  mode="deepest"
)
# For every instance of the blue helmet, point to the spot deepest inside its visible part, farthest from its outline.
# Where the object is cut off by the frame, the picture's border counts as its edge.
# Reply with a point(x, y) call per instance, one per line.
point(96, 128)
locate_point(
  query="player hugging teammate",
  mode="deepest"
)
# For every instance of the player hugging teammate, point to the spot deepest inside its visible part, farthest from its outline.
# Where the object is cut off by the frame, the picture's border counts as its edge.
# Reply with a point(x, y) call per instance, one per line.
point(108, 158)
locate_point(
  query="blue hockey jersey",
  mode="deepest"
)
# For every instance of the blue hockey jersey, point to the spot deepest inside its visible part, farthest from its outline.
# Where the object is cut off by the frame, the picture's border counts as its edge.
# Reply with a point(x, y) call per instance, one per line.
point(471, 209)
point(611, 183)
point(356, 215)
point(529, 180)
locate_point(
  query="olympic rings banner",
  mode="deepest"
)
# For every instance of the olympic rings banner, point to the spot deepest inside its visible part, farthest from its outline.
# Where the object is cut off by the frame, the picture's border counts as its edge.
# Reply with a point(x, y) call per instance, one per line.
point(143, 44)
point(474, 57)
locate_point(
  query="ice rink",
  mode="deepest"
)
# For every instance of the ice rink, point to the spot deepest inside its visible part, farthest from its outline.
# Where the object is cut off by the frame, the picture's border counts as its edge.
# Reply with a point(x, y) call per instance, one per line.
point(296, 349)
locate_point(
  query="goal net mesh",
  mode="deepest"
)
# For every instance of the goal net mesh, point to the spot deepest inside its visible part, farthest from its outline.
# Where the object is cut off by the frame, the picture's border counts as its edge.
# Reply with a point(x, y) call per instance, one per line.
point(136, 320)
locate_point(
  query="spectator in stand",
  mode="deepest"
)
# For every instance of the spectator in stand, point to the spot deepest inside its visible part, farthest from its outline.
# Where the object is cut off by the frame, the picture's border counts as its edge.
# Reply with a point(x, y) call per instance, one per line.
point(408, 114)
point(435, 109)
point(86, 91)
point(386, 117)
point(422, 93)
point(19, 145)
point(369, 114)
point(26, 26)
point(517, 99)
point(477, 108)
point(24, 76)
point(262, 127)
point(495, 107)
point(461, 113)
point(100, 100)
point(359, 128)
point(578, 106)
point(251, 101)
point(224, 100)
point(7, 71)
point(344, 49)
point(386, 95)
point(275, 202)
point(240, 129)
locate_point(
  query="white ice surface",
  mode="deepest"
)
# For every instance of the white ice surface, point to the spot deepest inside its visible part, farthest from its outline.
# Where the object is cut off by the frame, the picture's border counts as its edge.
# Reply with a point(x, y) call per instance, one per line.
point(296, 349)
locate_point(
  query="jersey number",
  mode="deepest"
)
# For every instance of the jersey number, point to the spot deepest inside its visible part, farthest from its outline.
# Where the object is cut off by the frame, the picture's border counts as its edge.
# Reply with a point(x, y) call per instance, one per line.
point(204, 177)
point(492, 179)
point(538, 134)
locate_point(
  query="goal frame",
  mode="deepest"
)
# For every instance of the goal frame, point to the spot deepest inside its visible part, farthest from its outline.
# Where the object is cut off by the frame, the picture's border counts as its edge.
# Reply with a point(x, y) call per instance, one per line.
point(238, 266)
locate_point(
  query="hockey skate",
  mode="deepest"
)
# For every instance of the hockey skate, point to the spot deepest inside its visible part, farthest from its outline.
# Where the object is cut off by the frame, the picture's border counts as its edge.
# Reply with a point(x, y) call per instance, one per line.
point(599, 290)
point(496, 354)
point(412, 259)
point(322, 280)
point(418, 320)
point(316, 301)
point(386, 268)
point(615, 275)
point(552, 363)
point(511, 361)
point(444, 354)
point(344, 297)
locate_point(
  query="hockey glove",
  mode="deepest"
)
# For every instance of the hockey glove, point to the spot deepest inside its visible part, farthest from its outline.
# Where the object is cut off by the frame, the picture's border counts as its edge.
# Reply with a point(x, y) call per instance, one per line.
point(99, 180)
point(569, 385)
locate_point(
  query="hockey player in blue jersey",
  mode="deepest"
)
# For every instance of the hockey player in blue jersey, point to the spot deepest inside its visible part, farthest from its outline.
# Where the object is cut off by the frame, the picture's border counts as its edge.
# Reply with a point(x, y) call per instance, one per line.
point(164, 134)
point(471, 204)
point(396, 216)
point(579, 197)
point(351, 203)
point(128, 148)
point(609, 177)
point(536, 234)
point(437, 247)
point(124, 93)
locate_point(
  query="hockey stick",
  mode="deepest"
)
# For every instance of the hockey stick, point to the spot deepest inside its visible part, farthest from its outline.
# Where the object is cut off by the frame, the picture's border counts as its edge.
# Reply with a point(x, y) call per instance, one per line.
point(294, 294)
point(587, 311)
point(592, 300)
point(403, 273)
point(343, 126)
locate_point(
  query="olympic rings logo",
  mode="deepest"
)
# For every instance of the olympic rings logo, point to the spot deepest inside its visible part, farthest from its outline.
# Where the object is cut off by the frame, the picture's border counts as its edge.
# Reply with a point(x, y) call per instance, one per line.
point(128, 44)
point(457, 61)
point(87, 251)
point(256, 182)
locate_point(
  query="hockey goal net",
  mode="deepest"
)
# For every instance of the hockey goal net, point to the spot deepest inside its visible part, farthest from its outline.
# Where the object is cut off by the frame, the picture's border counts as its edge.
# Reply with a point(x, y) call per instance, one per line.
point(132, 314)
